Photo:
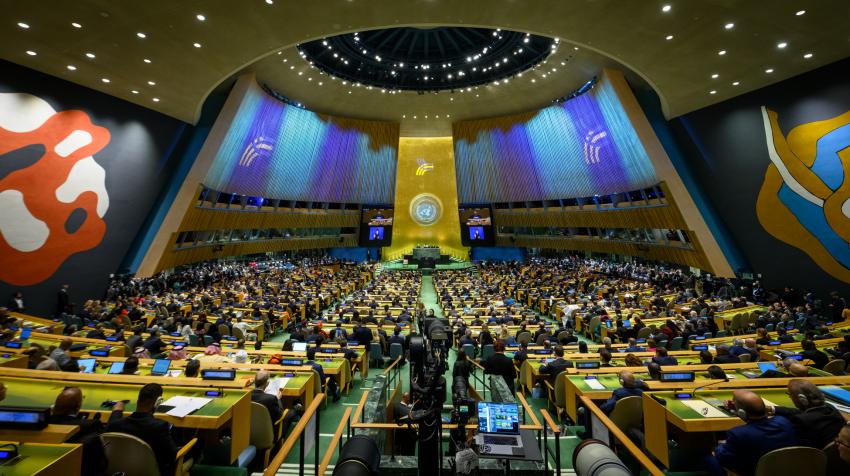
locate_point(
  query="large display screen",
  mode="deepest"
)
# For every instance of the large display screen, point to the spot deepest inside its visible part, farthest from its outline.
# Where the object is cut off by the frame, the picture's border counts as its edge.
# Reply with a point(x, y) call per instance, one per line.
point(376, 227)
point(476, 226)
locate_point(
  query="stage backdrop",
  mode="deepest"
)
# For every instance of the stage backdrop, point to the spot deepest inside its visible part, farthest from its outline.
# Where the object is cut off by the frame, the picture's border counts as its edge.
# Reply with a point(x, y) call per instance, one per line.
point(776, 163)
point(426, 206)
point(275, 150)
point(79, 173)
point(579, 148)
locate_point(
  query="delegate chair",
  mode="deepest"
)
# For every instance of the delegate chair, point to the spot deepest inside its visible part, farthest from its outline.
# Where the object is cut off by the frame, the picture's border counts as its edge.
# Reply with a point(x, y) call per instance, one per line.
point(486, 351)
point(263, 430)
point(835, 367)
point(557, 394)
point(223, 330)
point(133, 457)
point(376, 355)
point(628, 414)
point(469, 350)
point(396, 351)
point(794, 460)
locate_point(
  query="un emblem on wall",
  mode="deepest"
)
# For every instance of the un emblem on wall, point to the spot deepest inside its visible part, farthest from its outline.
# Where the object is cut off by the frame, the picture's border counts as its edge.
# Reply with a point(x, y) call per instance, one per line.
point(426, 209)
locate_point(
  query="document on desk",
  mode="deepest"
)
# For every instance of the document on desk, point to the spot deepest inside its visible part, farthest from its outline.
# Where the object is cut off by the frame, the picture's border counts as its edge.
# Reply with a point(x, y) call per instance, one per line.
point(594, 384)
point(276, 384)
point(704, 409)
point(185, 405)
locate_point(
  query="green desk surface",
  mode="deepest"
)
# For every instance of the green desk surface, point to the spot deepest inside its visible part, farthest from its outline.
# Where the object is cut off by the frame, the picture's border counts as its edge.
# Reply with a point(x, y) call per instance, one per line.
point(10, 357)
point(294, 382)
point(776, 396)
point(612, 381)
point(42, 393)
point(35, 458)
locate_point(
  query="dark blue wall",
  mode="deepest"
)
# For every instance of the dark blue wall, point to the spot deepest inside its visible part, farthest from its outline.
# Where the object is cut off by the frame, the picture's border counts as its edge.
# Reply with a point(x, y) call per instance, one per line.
point(499, 253)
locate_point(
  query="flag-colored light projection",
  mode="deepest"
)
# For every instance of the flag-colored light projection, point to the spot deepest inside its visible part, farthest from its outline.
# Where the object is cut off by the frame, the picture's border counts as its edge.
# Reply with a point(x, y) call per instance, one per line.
point(579, 148)
point(280, 151)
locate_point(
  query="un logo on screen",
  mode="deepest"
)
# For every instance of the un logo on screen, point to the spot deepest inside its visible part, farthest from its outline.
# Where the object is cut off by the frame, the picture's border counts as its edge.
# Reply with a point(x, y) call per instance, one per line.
point(425, 209)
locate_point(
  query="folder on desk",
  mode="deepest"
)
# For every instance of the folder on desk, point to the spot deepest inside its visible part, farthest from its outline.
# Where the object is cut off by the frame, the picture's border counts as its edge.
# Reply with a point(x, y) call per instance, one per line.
point(837, 393)
point(704, 409)
point(594, 384)
point(184, 405)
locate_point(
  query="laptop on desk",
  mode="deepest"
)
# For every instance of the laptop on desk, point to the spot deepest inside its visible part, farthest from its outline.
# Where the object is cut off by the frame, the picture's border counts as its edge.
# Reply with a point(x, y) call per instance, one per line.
point(498, 429)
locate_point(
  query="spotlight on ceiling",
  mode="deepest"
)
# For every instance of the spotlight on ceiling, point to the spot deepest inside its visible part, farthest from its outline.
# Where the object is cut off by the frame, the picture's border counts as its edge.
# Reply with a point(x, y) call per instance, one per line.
point(23, 25)
point(200, 17)
point(666, 8)
point(141, 35)
point(729, 26)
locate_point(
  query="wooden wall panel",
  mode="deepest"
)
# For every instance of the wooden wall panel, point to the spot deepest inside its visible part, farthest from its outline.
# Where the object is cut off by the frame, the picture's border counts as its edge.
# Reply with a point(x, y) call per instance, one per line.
point(181, 256)
point(202, 219)
point(684, 256)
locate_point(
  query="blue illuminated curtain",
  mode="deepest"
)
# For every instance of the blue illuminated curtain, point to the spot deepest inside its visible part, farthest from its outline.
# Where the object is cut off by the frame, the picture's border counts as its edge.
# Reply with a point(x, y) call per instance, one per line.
point(280, 151)
point(579, 148)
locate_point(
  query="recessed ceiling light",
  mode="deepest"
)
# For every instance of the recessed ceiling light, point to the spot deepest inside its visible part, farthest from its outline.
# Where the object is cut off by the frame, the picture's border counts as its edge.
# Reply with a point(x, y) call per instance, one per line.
point(768, 70)
point(31, 52)
point(448, 115)
point(735, 83)
point(807, 55)
point(105, 80)
point(269, 2)
point(134, 92)
point(141, 35)
point(800, 13)
point(151, 83)
point(781, 45)
point(404, 116)
point(721, 52)
point(712, 92)
point(90, 55)
point(76, 25)
point(71, 67)
point(200, 17)
point(729, 26)
point(147, 61)
point(666, 8)
point(155, 99)
point(23, 25)
point(715, 76)
point(196, 45)
point(669, 37)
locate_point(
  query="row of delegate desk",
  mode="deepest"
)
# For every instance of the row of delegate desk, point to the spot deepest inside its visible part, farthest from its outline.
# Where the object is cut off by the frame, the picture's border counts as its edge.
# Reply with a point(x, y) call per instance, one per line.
point(674, 418)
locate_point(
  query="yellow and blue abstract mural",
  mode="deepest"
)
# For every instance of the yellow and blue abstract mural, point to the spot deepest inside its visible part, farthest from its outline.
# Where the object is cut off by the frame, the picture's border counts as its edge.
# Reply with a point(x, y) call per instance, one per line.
point(805, 198)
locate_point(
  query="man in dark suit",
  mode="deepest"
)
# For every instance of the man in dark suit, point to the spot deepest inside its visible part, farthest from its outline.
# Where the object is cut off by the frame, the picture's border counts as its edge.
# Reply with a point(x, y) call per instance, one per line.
point(724, 357)
point(747, 443)
point(143, 425)
point(63, 300)
point(553, 368)
point(631, 387)
point(521, 355)
point(633, 347)
point(397, 338)
point(467, 339)
point(811, 352)
point(662, 358)
point(816, 422)
point(499, 364)
point(362, 335)
point(332, 387)
point(271, 402)
point(66, 411)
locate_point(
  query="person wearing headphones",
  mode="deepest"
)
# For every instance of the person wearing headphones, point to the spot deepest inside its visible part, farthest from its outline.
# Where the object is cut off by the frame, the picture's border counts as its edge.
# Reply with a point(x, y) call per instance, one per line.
point(630, 387)
point(760, 434)
point(816, 422)
point(144, 425)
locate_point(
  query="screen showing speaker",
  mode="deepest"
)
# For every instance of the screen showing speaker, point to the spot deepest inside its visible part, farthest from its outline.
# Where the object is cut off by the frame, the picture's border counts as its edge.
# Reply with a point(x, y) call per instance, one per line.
point(476, 226)
point(376, 226)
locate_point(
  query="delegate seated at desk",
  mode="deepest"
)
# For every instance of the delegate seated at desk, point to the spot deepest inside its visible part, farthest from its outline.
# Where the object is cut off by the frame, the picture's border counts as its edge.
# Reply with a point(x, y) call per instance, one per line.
point(144, 425)
point(499, 364)
point(816, 422)
point(630, 387)
point(747, 443)
point(553, 368)
point(272, 403)
point(66, 411)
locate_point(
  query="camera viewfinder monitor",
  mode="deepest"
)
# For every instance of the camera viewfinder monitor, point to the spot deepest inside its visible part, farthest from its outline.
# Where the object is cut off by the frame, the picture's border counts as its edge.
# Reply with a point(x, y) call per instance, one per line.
point(498, 418)
point(160, 367)
point(116, 367)
point(87, 365)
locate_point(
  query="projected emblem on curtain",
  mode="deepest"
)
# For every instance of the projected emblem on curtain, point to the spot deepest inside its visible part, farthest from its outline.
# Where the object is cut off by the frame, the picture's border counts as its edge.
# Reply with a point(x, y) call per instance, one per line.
point(280, 151)
point(805, 198)
point(585, 146)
